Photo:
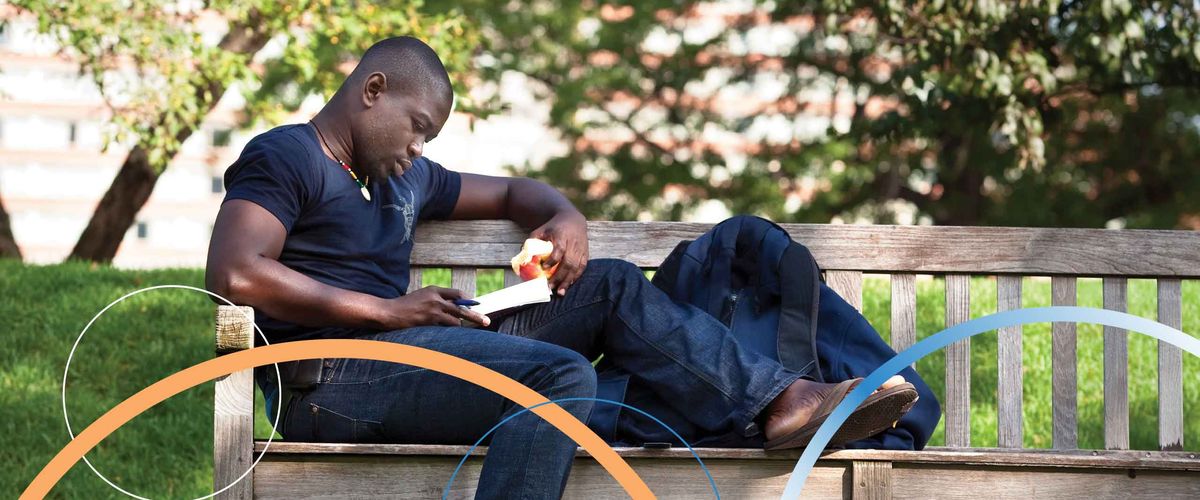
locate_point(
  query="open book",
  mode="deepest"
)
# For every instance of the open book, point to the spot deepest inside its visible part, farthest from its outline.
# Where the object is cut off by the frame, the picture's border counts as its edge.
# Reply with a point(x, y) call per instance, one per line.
point(534, 291)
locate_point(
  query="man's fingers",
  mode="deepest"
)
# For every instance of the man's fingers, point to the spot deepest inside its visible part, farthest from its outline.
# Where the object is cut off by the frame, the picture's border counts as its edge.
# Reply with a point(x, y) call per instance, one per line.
point(458, 313)
point(568, 278)
point(446, 319)
point(555, 257)
point(448, 293)
point(476, 317)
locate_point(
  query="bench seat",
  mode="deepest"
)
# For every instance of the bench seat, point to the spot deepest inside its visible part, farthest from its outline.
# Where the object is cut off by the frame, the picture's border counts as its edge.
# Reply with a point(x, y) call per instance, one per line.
point(291, 470)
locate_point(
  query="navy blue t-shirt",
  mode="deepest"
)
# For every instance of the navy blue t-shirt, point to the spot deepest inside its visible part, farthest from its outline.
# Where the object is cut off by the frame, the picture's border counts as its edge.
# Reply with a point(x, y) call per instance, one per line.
point(334, 235)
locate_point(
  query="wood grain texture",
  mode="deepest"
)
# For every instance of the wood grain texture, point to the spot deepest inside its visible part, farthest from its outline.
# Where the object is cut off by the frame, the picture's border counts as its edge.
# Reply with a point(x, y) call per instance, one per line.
point(233, 433)
point(1009, 389)
point(871, 480)
point(958, 364)
point(847, 284)
point(234, 328)
point(1019, 483)
point(1170, 368)
point(463, 278)
point(882, 249)
point(904, 311)
point(1110, 459)
point(510, 278)
point(1064, 360)
point(1116, 370)
point(425, 477)
point(414, 279)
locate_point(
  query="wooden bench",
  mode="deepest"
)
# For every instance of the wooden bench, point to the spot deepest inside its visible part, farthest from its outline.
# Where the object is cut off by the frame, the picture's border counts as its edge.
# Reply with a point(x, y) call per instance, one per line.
point(956, 470)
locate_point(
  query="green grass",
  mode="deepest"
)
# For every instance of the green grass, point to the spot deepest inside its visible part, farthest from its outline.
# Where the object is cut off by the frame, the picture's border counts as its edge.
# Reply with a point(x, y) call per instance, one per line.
point(167, 451)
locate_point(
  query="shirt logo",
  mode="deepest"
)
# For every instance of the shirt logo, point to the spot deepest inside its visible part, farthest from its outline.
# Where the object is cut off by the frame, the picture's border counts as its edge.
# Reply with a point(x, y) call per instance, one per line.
point(405, 207)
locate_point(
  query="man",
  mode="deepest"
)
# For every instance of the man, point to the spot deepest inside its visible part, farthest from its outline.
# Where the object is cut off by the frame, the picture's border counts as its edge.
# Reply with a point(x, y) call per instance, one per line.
point(315, 233)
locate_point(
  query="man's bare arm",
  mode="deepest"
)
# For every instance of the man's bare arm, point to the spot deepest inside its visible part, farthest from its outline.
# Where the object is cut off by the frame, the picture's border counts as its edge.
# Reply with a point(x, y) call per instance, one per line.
point(243, 267)
point(532, 204)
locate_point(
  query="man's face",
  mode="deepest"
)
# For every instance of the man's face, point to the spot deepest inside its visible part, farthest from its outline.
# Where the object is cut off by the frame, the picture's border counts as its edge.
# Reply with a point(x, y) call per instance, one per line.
point(393, 132)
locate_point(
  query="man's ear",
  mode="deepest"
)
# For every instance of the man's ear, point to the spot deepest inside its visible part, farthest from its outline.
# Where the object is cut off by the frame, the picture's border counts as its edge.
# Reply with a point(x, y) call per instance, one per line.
point(374, 87)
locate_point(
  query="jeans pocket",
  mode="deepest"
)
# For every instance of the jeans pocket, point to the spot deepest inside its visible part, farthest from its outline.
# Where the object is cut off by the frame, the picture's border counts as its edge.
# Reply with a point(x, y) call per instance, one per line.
point(329, 426)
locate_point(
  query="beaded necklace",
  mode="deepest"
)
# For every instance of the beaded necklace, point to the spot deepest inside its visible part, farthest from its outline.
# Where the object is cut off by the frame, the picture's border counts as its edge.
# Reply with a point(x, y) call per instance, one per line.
point(362, 187)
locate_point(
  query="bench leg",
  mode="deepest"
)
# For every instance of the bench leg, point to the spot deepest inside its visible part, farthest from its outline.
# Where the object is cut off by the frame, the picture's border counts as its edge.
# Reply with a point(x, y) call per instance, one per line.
point(872, 480)
point(233, 434)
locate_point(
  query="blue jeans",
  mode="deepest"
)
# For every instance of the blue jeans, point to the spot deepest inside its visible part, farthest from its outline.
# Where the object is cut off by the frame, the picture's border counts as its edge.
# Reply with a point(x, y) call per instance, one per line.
point(682, 357)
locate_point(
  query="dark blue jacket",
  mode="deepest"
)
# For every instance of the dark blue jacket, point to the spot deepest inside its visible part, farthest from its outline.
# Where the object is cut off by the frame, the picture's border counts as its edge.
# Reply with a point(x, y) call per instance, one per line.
point(747, 272)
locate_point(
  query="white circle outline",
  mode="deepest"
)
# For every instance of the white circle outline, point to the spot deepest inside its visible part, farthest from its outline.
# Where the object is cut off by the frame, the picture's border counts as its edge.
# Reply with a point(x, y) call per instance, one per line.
point(67, 369)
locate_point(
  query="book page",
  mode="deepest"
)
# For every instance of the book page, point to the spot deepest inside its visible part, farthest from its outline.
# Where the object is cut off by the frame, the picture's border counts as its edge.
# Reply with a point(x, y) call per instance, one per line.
point(534, 291)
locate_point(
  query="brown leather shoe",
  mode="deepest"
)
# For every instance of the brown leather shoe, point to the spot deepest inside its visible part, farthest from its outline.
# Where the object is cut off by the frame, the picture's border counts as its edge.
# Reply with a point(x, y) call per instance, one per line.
point(796, 414)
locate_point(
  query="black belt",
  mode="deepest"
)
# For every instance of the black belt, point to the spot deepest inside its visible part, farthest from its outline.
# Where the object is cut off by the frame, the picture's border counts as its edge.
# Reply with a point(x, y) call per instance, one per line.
point(296, 378)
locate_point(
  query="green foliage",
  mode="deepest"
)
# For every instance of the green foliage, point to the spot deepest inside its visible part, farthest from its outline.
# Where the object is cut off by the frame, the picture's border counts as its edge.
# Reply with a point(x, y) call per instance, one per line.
point(333, 34)
point(161, 73)
point(1032, 113)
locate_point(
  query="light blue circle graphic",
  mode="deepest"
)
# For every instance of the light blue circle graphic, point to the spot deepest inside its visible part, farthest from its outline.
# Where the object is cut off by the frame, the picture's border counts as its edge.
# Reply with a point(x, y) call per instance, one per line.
point(711, 482)
point(961, 331)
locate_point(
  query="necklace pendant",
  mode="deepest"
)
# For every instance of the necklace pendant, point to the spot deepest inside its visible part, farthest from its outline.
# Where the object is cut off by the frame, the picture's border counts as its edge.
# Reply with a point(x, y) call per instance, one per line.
point(366, 194)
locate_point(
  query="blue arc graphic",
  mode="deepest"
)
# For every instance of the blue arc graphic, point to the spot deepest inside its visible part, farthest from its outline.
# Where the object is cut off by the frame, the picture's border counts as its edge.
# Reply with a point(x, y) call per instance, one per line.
point(961, 331)
point(446, 492)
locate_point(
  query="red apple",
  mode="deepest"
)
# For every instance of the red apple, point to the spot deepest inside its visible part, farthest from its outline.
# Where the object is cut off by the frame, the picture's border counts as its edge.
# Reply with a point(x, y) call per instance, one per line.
point(528, 263)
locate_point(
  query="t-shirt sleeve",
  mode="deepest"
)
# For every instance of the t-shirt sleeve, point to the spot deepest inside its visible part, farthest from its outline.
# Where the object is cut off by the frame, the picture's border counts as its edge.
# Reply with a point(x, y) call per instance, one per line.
point(271, 175)
point(441, 188)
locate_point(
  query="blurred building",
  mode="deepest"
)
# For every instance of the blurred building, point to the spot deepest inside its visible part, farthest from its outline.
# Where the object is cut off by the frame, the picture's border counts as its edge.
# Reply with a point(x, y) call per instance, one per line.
point(54, 167)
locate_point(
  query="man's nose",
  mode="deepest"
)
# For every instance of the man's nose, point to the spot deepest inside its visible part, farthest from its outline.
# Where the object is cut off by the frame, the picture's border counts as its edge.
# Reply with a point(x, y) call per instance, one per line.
point(416, 148)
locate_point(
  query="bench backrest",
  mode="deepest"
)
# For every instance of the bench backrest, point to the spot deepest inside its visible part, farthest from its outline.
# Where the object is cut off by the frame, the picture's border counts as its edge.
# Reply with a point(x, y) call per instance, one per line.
point(955, 253)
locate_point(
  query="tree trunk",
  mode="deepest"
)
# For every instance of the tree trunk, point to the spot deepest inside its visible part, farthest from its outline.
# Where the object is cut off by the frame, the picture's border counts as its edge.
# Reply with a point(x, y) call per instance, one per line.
point(136, 179)
point(8, 245)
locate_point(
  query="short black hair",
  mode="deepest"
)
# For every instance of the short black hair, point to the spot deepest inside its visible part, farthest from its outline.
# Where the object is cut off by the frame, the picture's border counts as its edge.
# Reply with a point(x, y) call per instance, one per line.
point(408, 63)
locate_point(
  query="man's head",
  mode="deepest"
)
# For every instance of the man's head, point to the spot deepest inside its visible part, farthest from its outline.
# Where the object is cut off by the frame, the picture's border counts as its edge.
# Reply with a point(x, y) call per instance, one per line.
point(395, 100)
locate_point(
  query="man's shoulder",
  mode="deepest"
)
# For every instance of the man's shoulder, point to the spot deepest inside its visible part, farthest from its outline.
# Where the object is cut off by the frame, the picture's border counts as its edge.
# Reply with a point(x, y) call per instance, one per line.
point(282, 152)
point(281, 139)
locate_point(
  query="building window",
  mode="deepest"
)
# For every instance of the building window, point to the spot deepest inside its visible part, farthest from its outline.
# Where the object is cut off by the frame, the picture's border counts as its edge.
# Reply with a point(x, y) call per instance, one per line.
point(221, 137)
point(143, 230)
point(72, 133)
point(218, 184)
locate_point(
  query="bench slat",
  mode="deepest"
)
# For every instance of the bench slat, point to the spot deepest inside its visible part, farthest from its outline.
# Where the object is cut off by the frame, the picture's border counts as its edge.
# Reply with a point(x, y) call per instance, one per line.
point(881, 249)
point(904, 311)
point(1009, 368)
point(1065, 395)
point(872, 480)
point(414, 279)
point(511, 278)
point(847, 284)
point(1170, 368)
point(463, 278)
point(1116, 370)
point(958, 364)
point(1119, 459)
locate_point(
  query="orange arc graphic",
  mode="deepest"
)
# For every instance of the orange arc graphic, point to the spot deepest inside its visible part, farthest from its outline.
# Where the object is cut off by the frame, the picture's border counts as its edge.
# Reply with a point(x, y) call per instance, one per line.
point(336, 348)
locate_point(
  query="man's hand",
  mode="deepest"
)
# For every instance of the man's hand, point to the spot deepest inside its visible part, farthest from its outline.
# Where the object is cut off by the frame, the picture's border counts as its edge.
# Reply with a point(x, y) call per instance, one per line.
point(430, 306)
point(568, 232)
point(531, 203)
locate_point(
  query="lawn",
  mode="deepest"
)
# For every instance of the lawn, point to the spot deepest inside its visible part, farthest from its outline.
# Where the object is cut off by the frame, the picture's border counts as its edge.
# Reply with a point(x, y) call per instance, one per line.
point(167, 451)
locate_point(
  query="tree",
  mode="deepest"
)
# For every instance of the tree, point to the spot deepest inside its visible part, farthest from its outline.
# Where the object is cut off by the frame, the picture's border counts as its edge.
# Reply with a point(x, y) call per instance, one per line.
point(8, 245)
point(1033, 113)
point(180, 78)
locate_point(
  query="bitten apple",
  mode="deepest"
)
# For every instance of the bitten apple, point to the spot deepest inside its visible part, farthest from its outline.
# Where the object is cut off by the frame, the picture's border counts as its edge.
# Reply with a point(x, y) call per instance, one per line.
point(528, 263)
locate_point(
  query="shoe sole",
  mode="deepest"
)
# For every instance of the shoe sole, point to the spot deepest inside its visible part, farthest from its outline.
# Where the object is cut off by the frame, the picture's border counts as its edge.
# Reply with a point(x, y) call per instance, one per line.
point(866, 421)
